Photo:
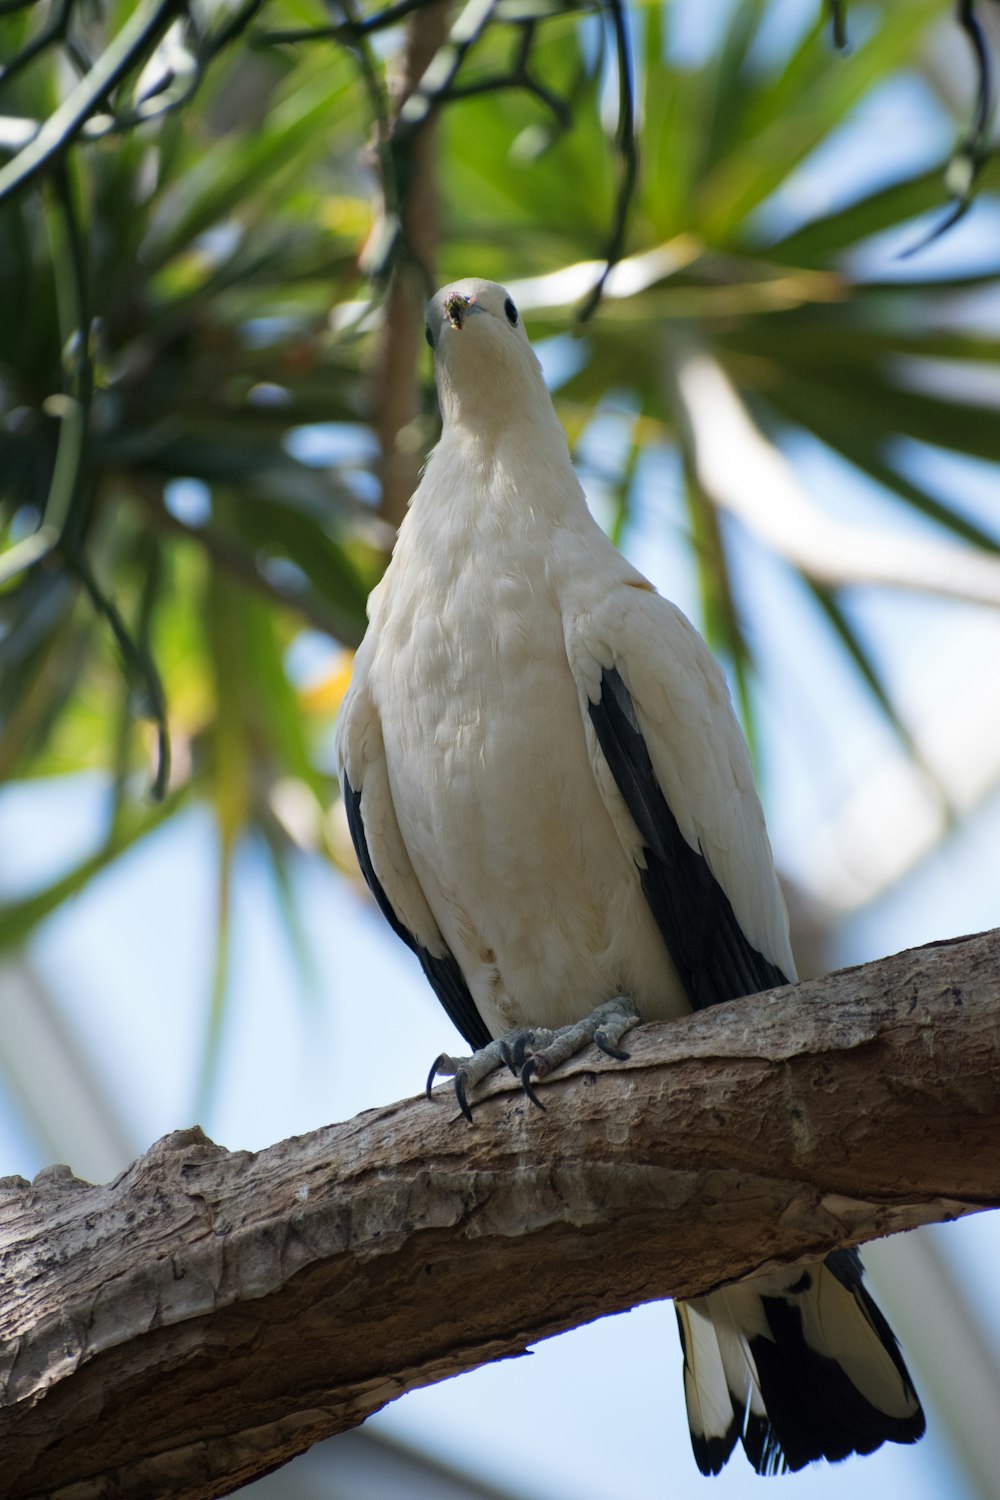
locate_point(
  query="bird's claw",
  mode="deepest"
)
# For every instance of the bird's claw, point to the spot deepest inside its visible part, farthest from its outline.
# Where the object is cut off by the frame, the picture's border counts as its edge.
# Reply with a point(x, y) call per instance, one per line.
point(516, 1047)
point(533, 1052)
point(463, 1103)
point(467, 1071)
point(603, 1045)
point(436, 1068)
point(531, 1066)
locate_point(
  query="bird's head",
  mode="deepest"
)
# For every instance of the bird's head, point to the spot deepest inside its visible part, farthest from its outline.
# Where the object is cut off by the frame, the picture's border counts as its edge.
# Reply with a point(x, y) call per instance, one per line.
point(485, 366)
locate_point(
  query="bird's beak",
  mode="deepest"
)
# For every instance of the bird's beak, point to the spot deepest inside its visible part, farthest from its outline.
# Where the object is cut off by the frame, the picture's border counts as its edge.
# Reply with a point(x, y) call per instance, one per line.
point(457, 309)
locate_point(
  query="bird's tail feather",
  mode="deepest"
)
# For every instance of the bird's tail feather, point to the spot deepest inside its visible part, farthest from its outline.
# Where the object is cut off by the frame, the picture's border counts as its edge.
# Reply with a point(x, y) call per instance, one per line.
point(798, 1365)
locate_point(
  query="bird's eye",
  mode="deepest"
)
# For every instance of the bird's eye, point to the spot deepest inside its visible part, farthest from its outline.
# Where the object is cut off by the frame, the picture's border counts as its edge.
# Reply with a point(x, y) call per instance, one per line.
point(511, 312)
point(428, 336)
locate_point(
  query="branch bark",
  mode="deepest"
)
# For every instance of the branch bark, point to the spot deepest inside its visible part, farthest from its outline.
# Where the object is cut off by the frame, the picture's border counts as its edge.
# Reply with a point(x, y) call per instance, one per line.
point(397, 399)
point(208, 1315)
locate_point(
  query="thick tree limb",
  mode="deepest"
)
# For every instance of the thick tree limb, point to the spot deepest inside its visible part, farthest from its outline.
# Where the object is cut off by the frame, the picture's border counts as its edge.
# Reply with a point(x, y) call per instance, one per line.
point(208, 1315)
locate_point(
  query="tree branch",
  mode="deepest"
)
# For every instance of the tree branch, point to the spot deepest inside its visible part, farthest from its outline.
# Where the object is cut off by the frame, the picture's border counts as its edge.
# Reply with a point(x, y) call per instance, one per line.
point(208, 1315)
point(397, 402)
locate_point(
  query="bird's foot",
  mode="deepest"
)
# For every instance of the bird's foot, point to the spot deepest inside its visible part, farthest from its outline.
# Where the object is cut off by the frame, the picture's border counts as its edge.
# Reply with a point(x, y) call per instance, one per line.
point(605, 1027)
point(468, 1071)
point(533, 1052)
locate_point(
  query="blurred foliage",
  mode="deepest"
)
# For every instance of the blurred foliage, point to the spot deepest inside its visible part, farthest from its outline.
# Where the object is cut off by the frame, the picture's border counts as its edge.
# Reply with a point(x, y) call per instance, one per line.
point(184, 313)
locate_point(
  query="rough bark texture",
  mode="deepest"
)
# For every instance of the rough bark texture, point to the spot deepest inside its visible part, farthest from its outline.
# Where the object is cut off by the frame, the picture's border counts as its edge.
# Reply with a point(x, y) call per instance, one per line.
point(208, 1315)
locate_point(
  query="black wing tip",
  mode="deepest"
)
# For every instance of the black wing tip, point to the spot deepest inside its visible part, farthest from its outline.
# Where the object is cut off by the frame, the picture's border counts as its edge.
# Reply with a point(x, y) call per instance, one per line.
point(762, 1447)
point(769, 1457)
point(442, 971)
point(712, 1454)
point(814, 1408)
point(769, 1454)
point(448, 983)
point(712, 955)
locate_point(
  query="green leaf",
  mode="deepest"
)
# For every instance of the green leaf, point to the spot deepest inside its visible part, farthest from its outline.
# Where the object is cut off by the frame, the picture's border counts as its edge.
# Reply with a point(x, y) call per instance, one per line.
point(815, 94)
point(248, 172)
point(723, 627)
point(302, 951)
point(843, 229)
point(211, 1055)
point(874, 408)
point(732, 90)
point(678, 112)
point(284, 530)
point(19, 920)
point(864, 456)
point(622, 491)
point(862, 659)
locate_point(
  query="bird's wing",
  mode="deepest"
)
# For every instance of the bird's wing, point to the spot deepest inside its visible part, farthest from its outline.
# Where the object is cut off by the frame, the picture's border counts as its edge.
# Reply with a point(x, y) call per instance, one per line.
point(383, 857)
point(675, 774)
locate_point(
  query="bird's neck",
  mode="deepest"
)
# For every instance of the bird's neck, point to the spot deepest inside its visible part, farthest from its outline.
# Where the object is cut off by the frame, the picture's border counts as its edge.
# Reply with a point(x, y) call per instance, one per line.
point(508, 471)
point(486, 512)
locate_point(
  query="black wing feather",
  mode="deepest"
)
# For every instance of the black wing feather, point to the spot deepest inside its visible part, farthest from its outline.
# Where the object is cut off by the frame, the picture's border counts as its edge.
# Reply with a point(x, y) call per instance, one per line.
point(713, 957)
point(814, 1410)
point(445, 976)
point(811, 1401)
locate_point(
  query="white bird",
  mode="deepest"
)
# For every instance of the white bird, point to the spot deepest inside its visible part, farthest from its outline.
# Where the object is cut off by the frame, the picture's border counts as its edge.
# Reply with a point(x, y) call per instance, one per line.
point(553, 805)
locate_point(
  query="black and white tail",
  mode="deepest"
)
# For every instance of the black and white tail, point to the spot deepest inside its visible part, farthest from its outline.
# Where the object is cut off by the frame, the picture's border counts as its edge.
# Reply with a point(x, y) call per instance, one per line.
point(798, 1365)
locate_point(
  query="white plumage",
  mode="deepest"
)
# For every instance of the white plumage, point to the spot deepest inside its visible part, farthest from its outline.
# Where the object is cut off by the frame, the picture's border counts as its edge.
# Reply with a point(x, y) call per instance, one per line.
point(554, 806)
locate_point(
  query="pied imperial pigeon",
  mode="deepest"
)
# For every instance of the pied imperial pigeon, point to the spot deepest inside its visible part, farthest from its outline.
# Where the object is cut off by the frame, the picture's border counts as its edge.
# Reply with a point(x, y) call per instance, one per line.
point(553, 805)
